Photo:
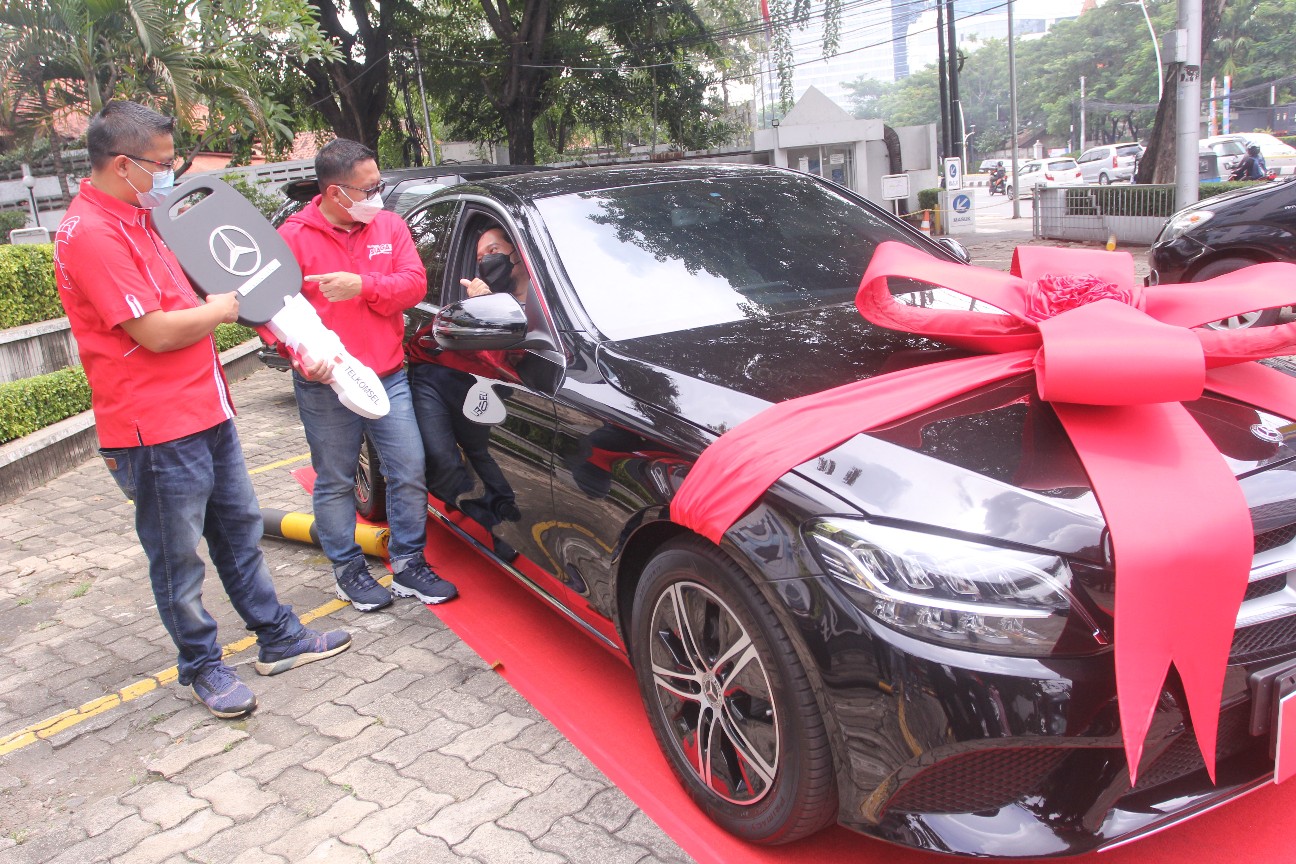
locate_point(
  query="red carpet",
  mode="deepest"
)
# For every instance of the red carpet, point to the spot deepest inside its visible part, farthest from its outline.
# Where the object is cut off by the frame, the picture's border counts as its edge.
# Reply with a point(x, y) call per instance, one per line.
point(590, 695)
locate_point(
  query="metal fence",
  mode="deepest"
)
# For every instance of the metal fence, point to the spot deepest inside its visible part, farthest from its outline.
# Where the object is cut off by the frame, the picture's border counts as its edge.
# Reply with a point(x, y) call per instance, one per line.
point(1134, 214)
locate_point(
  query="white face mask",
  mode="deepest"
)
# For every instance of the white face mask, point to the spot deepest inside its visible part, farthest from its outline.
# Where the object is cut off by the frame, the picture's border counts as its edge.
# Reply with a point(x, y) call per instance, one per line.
point(163, 183)
point(364, 211)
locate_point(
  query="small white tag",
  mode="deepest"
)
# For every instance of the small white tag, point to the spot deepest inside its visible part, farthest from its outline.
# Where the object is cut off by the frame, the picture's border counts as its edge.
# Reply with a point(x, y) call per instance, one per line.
point(482, 405)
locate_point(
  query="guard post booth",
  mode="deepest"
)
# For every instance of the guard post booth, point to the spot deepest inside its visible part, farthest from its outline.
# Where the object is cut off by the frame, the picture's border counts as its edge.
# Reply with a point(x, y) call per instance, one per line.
point(819, 137)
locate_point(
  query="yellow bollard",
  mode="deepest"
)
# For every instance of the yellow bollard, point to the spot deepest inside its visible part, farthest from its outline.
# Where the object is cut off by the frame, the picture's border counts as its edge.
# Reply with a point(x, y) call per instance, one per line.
point(373, 539)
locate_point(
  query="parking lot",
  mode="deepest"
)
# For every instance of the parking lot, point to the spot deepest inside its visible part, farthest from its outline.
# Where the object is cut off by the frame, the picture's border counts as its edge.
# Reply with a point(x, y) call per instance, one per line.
point(408, 747)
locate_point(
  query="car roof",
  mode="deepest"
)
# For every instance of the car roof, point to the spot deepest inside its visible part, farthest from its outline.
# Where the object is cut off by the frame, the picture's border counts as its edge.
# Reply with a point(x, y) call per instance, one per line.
point(577, 180)
point(307, 188)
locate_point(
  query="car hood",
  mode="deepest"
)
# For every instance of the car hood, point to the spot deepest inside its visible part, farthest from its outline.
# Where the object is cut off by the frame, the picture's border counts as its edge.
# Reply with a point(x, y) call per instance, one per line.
point(1000, 443)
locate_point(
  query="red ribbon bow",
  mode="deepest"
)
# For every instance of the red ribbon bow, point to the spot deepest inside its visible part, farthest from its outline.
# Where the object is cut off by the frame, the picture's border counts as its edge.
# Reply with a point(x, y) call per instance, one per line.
point(1115, 361)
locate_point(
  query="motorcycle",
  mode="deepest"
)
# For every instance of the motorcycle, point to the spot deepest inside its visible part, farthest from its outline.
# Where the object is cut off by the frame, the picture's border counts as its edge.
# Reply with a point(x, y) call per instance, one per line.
point(998, 182)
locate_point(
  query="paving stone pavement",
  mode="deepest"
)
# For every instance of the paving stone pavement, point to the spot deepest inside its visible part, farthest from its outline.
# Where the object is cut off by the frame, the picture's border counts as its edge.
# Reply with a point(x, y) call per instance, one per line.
point(406, 748)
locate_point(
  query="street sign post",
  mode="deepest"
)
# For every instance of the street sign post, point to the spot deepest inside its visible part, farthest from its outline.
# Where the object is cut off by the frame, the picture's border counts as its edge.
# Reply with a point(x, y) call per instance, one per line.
point(953, 174)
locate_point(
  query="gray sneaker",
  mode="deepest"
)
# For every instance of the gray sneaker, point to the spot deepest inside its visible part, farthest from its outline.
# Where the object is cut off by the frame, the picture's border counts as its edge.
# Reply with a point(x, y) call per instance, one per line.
point(309, 646)
point(356, 585)
point(219, 688)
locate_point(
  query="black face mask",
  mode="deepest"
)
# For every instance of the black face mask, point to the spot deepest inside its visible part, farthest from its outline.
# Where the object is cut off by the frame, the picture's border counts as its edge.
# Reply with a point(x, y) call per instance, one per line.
point(496, 270)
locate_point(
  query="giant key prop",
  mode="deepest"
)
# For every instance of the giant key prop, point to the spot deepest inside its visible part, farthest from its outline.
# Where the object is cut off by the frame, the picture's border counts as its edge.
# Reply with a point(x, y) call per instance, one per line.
point(224, 244)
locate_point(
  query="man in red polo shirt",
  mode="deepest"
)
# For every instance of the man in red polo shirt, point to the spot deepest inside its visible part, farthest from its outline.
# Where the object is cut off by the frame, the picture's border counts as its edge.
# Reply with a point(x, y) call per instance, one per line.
point(361, 272)
point(163, 410)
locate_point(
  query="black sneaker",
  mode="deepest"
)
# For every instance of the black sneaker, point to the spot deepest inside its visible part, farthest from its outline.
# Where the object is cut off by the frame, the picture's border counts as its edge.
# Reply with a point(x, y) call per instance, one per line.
point(418, 580)
point(356, 585)
point(219, 688)
point(308, 647)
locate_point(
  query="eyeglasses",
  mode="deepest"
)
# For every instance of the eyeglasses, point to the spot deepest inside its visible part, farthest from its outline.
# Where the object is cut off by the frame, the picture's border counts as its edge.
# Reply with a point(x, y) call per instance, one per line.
point(163, 164)
point(368, 193)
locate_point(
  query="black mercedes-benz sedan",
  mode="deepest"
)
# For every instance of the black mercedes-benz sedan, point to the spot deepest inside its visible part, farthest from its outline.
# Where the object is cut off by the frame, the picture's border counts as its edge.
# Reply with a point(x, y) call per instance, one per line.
point(911, 635)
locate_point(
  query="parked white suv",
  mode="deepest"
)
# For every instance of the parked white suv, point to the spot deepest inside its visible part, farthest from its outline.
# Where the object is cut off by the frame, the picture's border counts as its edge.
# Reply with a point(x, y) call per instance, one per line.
point(1110, 163)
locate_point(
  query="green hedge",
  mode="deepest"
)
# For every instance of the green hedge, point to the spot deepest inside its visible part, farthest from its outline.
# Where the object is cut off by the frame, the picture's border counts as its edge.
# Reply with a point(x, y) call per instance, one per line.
point(229, 335)
point(34, 403)
point(27, 292)
point(1210, 190)
point(1135, 200)
point(31, 404)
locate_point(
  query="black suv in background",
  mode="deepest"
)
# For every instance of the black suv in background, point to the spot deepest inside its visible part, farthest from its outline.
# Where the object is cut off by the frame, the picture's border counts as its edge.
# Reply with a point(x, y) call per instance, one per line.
point(1227, 232)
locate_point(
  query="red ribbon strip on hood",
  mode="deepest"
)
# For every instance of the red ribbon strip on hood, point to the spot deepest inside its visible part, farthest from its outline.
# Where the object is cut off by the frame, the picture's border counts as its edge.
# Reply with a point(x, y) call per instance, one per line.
point(1115, 360)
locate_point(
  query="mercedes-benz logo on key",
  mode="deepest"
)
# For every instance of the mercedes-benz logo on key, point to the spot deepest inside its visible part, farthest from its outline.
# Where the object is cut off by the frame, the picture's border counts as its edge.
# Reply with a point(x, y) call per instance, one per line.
point(234, 250)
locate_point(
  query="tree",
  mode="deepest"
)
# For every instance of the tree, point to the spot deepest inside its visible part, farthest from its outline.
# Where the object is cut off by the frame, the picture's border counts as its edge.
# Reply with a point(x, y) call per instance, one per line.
point(352, 87)
point(605, 65)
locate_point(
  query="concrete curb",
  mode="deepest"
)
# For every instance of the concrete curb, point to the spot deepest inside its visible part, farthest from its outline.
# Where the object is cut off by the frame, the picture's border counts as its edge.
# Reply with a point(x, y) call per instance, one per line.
point(43, 455)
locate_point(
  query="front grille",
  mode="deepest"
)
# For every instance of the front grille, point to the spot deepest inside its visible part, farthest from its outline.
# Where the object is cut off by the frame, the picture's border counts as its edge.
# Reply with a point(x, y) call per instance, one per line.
point(1183, 757)
point(980, 780)
point(1263, 641)
point(1265, 587)
point(1275, 538)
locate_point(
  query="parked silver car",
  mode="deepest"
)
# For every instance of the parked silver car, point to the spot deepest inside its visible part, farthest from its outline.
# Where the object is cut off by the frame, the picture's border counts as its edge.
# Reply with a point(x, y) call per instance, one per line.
point(1110, 163)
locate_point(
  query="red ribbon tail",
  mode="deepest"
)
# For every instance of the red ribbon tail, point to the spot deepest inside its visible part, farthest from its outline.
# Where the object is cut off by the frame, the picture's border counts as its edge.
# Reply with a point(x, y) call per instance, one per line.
point(1182, 539)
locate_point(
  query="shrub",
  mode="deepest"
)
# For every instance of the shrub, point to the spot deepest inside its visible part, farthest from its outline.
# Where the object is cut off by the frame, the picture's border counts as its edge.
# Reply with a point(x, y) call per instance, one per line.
point(266, 202)
point(1210, 190)
point(229, 335)
point(928, 199)
point(34, 403)
point(27, 292)
point(11, 219)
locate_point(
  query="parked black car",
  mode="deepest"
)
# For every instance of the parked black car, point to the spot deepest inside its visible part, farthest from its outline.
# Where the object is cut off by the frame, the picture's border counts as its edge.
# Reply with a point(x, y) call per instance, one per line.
point(1227, 232)
point(668, 304)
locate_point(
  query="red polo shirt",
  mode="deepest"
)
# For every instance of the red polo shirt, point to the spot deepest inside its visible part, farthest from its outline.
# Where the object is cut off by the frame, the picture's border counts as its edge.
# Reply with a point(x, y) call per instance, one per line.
point(111, 267)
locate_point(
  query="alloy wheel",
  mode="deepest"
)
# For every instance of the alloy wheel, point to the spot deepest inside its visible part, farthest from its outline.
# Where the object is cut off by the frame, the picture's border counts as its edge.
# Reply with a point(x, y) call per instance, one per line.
point(714, 693)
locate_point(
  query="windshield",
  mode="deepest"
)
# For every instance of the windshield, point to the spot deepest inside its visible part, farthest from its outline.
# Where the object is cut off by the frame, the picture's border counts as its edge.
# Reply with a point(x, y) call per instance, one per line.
point(670, 256)
point(1128, 150)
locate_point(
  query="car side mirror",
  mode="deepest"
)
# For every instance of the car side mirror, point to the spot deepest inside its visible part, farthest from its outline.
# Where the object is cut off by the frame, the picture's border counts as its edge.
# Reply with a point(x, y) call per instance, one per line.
point(491, 322)
point(956, 248)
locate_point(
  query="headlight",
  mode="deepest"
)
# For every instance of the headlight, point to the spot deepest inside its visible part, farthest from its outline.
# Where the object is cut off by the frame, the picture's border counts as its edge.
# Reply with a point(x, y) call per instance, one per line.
point(970, 595)
point(1182, 222)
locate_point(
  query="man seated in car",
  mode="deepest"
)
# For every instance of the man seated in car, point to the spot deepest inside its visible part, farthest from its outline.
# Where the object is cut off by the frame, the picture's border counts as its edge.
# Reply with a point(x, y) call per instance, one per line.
point(440, 382)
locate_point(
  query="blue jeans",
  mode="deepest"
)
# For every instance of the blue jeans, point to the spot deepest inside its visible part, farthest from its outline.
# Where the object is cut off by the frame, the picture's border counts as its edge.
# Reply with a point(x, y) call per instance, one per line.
point(439, 394)
point(198, 486)
point(333, 433)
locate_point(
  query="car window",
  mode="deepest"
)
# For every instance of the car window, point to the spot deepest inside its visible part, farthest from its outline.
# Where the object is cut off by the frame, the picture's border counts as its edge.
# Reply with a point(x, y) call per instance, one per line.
point(1128, 150)
point(1089, 156)
point(662, 257)
point(431, 227)
point(1061, 164)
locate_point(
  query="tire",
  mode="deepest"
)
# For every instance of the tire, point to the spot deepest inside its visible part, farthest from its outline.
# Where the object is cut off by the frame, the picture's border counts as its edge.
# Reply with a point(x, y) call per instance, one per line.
point(1104, 180)
point(1219, 267)
point(370, 484)
point(1010, 193)
point(767, 774)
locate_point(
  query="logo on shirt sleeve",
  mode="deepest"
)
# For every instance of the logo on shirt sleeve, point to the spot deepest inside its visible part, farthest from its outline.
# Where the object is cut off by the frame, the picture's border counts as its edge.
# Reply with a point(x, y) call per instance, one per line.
point(379, 249)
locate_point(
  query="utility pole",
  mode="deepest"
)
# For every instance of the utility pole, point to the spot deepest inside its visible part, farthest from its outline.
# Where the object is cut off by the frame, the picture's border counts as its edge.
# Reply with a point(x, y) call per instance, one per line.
point(942, 75)
point(1082, 114)
point(1012, 101)
point(956, 107)
point(1188, 102)
point(427, 123)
